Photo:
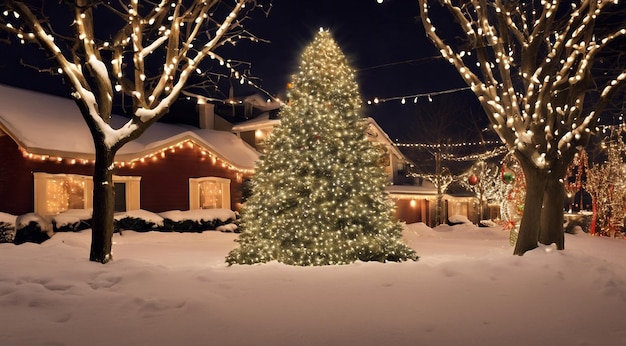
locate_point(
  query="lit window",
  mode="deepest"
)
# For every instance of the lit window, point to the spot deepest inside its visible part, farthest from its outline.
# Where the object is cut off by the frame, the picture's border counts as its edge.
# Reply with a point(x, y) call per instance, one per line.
point(65, 193)
point(209, 193)
point(56, 193)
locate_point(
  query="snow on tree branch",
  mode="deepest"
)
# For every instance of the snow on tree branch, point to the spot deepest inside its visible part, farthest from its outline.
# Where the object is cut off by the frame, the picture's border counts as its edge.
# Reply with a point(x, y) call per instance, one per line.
point(186, 32)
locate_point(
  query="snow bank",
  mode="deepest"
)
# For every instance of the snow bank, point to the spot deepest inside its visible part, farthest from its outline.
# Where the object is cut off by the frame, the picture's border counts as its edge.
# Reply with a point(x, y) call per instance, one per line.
point(175, 289)
point(7, 218)
point(72, 216)
point(140, 214)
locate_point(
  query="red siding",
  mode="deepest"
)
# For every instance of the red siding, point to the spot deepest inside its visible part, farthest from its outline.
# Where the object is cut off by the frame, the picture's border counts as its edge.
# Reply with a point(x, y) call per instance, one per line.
point(164, 182)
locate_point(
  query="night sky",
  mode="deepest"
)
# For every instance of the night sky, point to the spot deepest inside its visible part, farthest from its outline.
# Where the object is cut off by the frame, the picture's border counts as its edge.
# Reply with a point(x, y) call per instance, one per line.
point(385, 43)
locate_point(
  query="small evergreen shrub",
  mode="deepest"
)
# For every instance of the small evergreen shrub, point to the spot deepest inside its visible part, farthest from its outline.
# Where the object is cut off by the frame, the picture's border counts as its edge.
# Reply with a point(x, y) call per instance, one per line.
point(134, 224)
point(192, 225)
point(72, 227)
point(31, 233)
point(7, 232)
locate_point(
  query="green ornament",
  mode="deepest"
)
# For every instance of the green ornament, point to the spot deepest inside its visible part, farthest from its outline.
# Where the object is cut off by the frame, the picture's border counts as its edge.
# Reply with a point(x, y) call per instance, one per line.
point(508, 177)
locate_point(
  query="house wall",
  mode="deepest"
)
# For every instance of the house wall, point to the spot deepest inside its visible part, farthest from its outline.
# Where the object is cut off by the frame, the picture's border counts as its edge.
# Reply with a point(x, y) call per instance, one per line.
point(164, 182)
point(16, 176)
point(412, 210)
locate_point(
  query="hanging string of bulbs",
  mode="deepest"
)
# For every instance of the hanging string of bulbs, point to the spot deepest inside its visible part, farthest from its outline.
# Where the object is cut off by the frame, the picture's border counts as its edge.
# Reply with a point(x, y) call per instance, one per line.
point(415, 97)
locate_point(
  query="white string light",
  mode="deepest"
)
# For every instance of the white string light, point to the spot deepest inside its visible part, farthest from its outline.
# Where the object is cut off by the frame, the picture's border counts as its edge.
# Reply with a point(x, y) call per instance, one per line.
point(415, 97)
point(445, 145)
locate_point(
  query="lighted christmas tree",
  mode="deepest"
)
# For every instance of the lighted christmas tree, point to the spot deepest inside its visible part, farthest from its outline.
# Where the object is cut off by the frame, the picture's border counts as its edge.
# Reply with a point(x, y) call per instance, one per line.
point(318, 194)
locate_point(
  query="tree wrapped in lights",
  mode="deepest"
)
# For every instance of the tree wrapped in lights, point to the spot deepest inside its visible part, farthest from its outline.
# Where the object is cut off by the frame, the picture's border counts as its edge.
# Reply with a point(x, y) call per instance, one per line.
point(484, 181)
point(318, 194)
point(575, 179)
point(606, 185)
point(529, 64)
point(155, 49)
point(442, 178)
point(513, 186)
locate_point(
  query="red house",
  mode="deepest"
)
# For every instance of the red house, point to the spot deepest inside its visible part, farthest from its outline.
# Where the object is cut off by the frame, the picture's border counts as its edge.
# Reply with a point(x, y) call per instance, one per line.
point(46, 161)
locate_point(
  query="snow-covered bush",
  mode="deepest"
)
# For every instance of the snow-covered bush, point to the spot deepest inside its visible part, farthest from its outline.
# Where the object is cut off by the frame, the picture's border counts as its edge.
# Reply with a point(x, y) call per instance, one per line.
point(137, 220)
point(176, 221)
point(72, 220)
point(198, 220)
point(228, 228)
point(32, 228)
point(458, 220)
point(7, 227)
point(487, 223)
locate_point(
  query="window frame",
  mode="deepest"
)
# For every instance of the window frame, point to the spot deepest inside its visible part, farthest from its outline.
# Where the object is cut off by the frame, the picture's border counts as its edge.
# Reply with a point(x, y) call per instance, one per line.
point(41, 180)
point(194, 191)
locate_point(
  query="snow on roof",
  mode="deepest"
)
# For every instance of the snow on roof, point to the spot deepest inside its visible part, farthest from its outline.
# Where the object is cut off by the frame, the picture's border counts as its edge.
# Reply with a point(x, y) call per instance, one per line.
point(386, 138)
point(426, 189)
point(259, 103)
point(49, 125)
point(259, 122)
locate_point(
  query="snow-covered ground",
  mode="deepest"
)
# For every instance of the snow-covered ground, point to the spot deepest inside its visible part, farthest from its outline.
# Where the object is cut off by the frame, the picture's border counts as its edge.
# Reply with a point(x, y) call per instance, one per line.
point(175, 289)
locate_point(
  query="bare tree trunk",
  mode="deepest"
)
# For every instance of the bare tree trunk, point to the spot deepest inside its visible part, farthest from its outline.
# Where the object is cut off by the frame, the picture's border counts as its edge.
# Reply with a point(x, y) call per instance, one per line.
point(552, 215)
point(103, 205)
point(536, 180)
point(439, 181)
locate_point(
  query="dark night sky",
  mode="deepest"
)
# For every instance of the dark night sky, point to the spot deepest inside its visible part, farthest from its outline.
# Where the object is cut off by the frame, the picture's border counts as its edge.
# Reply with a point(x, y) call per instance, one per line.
point(385, 43)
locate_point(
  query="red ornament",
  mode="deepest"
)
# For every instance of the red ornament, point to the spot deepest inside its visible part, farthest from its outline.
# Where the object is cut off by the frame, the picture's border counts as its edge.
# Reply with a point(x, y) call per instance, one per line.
point(473, 180)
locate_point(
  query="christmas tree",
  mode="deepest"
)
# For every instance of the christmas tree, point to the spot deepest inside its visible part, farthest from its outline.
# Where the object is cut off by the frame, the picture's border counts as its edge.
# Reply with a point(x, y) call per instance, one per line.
point(318, 194)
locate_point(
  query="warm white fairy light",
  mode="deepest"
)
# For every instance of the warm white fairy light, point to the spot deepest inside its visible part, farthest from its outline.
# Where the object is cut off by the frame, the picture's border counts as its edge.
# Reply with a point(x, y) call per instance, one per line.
point(534, 115)
point(318, 192)
point(415, 97)
point(149, 157)
point(446, 145)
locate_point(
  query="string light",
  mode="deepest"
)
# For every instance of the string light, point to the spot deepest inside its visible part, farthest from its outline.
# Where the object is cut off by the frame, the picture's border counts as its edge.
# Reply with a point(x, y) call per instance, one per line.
point(446, 145)
point(147, 158)
point(476, 157)
point(415, 97)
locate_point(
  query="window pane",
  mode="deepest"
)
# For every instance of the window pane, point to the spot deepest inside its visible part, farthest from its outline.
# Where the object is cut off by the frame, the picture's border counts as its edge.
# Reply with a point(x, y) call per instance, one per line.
point(210, 195)
point(63, 194)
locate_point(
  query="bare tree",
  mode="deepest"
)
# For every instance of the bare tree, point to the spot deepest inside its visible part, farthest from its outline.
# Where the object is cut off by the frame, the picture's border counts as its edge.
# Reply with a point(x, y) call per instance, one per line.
point(529, 63)
point(148, 58)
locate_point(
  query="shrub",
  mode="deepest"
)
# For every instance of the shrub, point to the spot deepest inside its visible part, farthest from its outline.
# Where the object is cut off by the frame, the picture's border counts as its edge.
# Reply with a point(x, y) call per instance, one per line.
point(7, 232)
point(134, 224)
point(71, 227)
point(30, 233)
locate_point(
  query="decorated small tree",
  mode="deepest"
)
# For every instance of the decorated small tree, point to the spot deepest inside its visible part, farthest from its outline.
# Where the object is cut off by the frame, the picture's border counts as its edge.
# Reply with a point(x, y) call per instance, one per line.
point(607, 190)
point(482, 179)
point(318, 193)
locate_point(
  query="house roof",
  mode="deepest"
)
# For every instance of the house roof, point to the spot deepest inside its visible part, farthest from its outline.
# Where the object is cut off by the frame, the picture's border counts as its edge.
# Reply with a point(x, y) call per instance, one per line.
point(260, 122)
point(43, 124)
point(427, 188)
point(386, 139)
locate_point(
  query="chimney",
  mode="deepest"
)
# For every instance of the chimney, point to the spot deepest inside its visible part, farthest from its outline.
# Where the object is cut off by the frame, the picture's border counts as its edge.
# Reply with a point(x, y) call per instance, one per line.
point(206, 114)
